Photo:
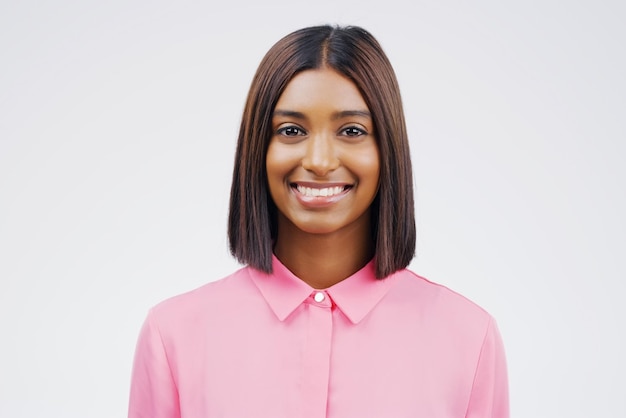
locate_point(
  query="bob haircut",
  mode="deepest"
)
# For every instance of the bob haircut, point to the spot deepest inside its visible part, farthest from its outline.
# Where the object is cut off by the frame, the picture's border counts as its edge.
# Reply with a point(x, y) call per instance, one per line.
point(354, 53)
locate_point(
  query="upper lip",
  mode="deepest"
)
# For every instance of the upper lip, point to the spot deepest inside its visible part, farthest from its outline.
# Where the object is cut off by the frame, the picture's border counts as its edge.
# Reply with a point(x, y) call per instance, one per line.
point(319, 185)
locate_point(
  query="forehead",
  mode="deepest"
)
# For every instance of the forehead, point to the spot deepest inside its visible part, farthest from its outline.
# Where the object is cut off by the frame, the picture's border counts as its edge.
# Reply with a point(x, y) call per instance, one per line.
point(321, 87)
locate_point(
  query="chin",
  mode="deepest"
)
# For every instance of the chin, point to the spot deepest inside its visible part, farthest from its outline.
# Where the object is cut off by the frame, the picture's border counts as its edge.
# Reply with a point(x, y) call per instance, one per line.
point(317, 229)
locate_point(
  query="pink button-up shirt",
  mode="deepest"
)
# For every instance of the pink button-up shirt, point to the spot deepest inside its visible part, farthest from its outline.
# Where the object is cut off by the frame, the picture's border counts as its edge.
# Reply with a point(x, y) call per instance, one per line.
point(258, 345)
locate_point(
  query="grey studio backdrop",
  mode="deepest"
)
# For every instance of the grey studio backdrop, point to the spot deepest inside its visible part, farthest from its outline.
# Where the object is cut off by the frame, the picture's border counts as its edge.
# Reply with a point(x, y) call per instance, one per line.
point(118, 123)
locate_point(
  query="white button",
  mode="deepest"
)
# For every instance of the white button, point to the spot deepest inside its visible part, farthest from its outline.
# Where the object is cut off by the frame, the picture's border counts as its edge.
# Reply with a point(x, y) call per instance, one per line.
point(319, 297)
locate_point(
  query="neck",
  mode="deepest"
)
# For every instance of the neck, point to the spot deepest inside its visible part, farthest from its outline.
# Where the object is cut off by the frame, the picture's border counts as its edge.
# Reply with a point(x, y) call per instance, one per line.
point(322, 260)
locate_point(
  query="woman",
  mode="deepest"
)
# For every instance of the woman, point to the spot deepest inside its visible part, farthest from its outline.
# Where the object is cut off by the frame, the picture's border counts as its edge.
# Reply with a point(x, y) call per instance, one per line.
point(325, 321)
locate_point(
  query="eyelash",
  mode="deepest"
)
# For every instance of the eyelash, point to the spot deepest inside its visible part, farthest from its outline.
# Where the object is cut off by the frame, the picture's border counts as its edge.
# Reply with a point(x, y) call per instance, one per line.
point(359, 131)
point(356, 132)
point(283, 131)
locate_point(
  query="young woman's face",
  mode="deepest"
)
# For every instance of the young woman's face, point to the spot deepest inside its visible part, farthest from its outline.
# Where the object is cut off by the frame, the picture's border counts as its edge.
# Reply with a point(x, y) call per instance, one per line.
point(322, 162)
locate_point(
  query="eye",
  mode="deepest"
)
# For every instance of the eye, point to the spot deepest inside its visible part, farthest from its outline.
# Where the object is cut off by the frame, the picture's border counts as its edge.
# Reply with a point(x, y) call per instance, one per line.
point(353, 131)
point(290, 130)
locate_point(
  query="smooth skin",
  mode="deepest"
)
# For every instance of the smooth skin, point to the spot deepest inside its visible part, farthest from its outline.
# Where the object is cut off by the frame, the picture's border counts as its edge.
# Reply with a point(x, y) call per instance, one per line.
point(323, 171)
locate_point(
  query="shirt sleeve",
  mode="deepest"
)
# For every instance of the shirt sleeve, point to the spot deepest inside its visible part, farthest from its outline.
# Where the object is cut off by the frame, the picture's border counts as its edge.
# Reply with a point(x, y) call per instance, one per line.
point(153, 392)
point(490, 391)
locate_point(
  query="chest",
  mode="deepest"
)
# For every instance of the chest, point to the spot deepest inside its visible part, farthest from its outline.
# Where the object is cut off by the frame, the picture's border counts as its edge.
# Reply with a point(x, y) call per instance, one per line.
point(319, 364)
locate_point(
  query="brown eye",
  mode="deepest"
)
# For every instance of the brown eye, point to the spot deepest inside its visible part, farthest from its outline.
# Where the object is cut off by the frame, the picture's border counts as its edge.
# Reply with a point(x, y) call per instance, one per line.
point(291, 131)
point(353, 131)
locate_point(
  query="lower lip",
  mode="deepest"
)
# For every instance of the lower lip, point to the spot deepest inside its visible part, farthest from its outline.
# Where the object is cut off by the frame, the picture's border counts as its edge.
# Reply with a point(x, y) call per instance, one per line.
point(319, 201)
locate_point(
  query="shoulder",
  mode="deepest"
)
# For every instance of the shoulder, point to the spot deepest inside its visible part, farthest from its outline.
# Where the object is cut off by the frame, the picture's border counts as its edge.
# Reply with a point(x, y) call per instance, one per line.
point(438, 302)
point(214, 297)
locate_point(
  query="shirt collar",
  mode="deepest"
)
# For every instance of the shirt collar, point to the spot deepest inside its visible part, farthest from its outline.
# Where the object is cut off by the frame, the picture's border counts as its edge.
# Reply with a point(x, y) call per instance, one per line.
point(355, 296)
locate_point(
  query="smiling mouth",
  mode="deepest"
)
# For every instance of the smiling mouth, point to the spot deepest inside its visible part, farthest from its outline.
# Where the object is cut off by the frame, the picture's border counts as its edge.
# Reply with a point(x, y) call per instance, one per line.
point(320, 191)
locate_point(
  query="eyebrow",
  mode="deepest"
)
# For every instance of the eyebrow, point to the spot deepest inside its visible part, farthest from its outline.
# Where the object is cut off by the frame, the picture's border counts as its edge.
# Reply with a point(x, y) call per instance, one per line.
point(336, 115)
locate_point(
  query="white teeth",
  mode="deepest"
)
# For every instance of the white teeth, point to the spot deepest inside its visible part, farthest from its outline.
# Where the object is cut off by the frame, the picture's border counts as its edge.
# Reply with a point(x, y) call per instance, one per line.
point(324, 192)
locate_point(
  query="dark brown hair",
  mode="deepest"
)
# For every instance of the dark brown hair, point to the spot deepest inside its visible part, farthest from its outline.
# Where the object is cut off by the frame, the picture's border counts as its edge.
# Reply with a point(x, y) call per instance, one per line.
point(355, 53)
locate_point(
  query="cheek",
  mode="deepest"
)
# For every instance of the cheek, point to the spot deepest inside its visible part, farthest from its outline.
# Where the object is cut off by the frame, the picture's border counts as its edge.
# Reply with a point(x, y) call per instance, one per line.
point(282, 157)
point(272, 162)
point(373, 166)
point(278, 164)
point(370, 176)
point(367, 165)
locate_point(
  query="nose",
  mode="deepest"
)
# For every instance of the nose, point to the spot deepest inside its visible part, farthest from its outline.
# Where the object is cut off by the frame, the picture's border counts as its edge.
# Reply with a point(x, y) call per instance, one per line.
point(321, 155)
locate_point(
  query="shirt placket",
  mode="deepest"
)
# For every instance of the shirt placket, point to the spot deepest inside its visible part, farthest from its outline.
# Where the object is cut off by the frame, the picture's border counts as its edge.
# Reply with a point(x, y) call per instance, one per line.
point(316, 359)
